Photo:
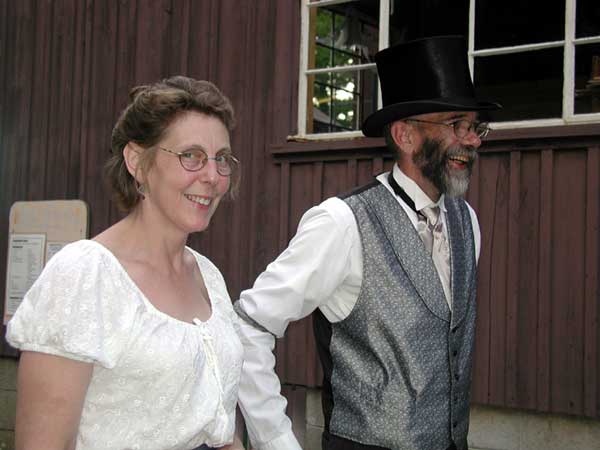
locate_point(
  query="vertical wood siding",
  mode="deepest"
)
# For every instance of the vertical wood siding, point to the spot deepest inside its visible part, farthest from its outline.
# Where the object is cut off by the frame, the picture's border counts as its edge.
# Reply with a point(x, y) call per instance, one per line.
point(537, 336)
point(67, 68)
point(68, 65)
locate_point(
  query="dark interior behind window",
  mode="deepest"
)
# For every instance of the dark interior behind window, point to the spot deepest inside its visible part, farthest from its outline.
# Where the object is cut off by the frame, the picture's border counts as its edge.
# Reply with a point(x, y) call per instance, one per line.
point(508, 23)
point(529, 85)
point(588, 18)
point(415, 19)
point(587, 79)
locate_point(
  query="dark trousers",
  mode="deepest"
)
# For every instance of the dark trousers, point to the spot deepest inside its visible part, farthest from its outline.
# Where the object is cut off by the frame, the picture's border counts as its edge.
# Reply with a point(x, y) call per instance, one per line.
point(332, 442)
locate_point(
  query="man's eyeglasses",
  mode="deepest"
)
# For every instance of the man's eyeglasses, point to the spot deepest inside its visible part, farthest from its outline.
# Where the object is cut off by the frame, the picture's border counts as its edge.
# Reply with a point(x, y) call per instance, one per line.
point(195, 160)
point(461, 127)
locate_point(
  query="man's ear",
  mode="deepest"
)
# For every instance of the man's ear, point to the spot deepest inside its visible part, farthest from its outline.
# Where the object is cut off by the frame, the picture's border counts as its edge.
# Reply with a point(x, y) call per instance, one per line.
point(131, 155)
point(401, 132)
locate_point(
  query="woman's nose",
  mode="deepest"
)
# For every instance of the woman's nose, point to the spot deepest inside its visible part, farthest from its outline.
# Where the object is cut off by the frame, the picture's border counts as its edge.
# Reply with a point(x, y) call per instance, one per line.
point(209, 172)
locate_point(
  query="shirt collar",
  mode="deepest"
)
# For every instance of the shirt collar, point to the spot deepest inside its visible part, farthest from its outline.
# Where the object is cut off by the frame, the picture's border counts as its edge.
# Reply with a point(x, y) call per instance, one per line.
point(413, 190)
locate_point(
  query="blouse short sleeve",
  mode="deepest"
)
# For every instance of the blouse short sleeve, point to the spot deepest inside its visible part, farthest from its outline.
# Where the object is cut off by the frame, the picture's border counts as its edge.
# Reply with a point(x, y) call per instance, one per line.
point(73, 309)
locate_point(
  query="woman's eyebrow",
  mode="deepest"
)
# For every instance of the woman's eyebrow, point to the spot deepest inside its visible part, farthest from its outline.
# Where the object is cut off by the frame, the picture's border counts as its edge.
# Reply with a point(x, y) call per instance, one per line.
point(189, 147)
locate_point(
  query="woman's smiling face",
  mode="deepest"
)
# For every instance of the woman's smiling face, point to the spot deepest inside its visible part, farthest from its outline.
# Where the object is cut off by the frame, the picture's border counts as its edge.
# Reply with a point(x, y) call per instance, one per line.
point(187, 200)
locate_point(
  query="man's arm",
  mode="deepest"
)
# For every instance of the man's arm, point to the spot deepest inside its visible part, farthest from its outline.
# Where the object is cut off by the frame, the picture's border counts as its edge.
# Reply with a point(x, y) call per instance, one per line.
point(301, 279)
point(260, 397)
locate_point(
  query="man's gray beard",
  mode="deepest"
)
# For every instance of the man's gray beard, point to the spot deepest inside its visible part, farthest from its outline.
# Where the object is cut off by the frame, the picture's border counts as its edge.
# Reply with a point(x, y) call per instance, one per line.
point(433, 162)
point(455, 184)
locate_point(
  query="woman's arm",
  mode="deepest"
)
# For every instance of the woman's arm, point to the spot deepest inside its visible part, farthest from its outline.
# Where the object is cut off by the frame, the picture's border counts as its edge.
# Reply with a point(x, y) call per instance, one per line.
point(237, 445)
point(50, 394)
point(239, 432)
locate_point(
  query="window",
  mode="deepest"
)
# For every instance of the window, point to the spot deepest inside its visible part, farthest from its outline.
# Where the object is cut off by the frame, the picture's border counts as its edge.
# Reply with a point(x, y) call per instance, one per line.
point(338, 87)
point(544, 68)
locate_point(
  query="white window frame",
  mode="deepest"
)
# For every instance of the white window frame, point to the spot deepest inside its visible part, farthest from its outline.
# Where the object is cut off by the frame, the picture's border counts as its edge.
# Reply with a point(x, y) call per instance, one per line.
point(568, 44)
point(384, 20)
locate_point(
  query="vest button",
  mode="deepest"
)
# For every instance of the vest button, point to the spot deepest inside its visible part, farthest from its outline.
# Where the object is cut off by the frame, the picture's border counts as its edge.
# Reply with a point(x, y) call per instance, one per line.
point(454, 353)
point(454, 425)
point(456, 377)
point(454, 330)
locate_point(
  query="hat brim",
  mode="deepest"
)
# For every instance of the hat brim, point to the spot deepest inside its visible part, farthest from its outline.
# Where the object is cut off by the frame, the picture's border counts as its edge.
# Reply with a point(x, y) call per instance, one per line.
point(374, 124)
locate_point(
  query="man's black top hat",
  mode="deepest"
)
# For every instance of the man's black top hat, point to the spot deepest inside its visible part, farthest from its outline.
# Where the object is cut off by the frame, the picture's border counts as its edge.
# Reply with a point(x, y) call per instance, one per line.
point(423, 76)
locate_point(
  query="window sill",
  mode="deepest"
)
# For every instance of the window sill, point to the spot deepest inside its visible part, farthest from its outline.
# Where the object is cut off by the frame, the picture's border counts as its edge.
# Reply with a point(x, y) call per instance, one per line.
point(545, 132)
point(326, 145)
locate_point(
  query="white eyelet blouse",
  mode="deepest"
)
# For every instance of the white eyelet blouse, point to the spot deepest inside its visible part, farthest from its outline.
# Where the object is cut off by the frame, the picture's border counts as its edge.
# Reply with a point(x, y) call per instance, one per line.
point(158, 383)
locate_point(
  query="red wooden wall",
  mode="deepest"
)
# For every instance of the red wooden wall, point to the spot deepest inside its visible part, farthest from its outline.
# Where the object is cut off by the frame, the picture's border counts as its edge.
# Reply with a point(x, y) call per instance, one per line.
point(67, 67)
point(538, 336)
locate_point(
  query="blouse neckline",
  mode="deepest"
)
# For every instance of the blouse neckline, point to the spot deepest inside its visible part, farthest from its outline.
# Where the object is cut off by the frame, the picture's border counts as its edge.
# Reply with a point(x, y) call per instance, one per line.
point(196, 322)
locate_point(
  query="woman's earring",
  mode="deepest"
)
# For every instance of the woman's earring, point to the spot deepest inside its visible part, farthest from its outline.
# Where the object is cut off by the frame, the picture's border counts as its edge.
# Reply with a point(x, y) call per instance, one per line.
point(141, 190)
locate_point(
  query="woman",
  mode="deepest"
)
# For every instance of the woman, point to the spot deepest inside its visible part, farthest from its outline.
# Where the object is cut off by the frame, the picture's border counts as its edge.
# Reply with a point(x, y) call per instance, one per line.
point(129, 340)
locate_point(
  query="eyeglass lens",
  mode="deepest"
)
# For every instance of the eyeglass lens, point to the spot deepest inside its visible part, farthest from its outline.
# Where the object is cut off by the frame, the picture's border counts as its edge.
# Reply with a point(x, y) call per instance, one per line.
point(462, 127)
point(194, 160)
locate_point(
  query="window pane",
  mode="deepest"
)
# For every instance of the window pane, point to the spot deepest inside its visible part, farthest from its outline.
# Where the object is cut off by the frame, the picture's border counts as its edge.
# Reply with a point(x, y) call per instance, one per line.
point(588, 18)
point(587, 79)
point(517, 22)
point(414, 19)
point(344, 34)
point(528, 85)
point(341, 101)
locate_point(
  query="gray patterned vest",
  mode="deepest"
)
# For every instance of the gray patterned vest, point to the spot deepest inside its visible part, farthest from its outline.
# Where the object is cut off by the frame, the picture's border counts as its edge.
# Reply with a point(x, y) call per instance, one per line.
point(397, 369)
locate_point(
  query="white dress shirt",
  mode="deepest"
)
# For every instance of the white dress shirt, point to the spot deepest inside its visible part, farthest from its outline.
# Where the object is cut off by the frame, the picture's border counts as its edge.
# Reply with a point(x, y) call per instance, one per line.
point(320, 268)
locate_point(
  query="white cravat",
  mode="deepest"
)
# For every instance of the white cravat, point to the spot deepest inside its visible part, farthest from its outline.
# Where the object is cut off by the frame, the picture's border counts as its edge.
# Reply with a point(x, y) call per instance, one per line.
point(431, 230)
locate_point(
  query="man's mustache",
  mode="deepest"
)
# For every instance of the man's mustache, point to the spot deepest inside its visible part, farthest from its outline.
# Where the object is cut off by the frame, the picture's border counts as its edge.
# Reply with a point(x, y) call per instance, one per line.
point(467, 152)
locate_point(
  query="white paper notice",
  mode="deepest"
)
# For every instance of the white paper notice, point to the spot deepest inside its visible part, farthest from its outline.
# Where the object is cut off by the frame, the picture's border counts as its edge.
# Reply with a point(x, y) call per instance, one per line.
point(25, 263)
point(52, 249)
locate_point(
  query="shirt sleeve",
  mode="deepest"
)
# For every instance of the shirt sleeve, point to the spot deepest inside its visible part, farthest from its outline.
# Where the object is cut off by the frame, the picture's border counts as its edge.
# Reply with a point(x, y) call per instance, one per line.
point(300, 280)
point(71, 310)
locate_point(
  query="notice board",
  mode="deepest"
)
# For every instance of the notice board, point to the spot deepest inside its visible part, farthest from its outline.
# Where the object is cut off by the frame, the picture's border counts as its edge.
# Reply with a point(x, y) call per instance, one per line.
point(37, 230)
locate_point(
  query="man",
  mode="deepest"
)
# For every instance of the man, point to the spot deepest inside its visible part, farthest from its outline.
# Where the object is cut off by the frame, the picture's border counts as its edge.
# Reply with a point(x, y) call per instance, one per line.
point(390, 270)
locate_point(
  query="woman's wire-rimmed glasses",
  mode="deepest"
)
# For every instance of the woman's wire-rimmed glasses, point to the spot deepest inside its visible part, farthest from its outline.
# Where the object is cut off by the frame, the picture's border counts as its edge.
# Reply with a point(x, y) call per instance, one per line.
point(195, 159)
point(461, 127)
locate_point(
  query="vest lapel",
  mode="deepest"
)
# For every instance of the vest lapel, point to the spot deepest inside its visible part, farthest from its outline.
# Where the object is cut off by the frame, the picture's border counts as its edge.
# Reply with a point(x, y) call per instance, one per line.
point(459, 246)
point(409, 249)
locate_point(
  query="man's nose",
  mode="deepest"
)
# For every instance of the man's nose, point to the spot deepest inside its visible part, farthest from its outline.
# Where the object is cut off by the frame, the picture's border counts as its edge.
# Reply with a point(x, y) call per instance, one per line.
point(472, 139)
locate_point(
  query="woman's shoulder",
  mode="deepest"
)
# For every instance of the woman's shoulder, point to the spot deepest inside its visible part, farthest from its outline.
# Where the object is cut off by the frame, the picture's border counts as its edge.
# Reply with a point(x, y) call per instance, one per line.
point(73, 304)
point(83, 251)
point(80, 266)
point(83, 268)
